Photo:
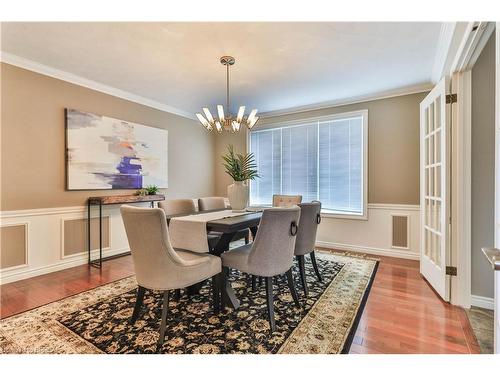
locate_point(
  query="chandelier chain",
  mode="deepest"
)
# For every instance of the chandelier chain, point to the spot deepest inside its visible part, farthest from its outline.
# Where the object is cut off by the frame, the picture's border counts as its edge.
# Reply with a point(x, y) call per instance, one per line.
point(227, 88)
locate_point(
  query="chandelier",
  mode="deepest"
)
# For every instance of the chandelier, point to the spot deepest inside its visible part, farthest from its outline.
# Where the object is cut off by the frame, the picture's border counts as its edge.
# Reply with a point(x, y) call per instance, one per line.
point(225, 120)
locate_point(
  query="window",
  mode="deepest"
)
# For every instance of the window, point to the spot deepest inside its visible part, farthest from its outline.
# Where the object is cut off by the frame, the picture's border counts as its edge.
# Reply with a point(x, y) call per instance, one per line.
point(322, 159)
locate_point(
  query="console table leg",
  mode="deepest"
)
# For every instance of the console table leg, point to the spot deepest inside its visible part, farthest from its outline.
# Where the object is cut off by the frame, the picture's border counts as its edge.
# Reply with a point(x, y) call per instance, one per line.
point(100, 235)
point(88, 228)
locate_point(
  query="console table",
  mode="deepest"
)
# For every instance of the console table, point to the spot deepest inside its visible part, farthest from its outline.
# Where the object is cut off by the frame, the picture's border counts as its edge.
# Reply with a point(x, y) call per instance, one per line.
point(109, 200)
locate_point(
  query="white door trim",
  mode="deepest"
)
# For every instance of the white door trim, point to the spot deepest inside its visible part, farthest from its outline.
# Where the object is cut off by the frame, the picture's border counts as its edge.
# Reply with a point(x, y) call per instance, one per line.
point(471, 46)
point(497, 188)
point(475, 37)
point(461, 141)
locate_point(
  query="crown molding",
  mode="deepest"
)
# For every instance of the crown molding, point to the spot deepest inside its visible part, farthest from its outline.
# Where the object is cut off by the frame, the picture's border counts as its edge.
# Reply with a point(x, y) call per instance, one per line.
point(36, 67)
point(408, 90)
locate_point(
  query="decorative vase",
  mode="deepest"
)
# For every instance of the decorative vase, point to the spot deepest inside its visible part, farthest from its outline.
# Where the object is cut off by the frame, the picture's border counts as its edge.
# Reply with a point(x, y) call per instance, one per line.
point(237, 194)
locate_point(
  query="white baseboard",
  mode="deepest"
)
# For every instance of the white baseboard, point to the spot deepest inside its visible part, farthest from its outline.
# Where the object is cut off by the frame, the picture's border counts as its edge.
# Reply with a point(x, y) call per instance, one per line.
point(395, 253)
point(484, 302)
point(27, 272)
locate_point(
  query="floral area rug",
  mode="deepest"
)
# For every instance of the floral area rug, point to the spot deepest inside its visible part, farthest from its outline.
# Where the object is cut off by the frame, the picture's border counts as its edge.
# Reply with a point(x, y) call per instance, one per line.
point(97, 321)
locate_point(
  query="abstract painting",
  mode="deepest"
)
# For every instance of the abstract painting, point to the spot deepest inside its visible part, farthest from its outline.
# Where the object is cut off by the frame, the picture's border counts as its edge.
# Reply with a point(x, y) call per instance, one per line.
point(106, 153)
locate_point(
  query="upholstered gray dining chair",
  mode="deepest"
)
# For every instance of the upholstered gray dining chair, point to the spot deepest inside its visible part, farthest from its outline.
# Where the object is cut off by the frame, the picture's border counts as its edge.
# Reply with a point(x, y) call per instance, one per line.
point(218, 203)
point(211, 203)
point(178, 206)
point(310, 217)
point(185, 207)
point(271, 253)
point(158, 266)
point(286, 200)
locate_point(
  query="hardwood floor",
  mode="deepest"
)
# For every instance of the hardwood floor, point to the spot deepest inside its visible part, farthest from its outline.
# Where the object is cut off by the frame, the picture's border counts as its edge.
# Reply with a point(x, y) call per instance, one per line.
point(27, 294)
point(402, 314)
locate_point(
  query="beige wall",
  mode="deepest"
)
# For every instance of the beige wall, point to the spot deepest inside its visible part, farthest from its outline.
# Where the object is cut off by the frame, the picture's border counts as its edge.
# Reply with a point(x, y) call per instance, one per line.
point(483, 168)
point(393, 147)
point(32, 142)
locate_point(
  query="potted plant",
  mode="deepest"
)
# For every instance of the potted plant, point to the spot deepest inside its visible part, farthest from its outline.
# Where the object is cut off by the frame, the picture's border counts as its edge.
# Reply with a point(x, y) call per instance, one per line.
point(148, 190)
point(241, 168)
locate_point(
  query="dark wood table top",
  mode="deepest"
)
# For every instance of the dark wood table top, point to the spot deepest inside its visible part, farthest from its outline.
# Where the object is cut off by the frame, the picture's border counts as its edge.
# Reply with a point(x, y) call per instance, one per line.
point(228, 224)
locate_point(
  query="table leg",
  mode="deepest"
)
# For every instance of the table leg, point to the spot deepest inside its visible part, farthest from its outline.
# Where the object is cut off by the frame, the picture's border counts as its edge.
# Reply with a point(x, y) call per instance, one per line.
point(253, 230)
point(229, 297)
point(228, 291)
point(223, 244)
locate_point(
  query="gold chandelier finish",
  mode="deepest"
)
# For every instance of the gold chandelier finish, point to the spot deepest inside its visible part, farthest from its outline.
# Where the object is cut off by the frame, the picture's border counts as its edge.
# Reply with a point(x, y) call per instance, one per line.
point(225, 121)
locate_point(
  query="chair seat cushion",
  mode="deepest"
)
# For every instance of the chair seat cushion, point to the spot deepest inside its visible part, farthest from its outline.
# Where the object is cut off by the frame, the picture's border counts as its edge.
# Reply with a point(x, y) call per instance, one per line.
point(237, 258)
point(194, 274)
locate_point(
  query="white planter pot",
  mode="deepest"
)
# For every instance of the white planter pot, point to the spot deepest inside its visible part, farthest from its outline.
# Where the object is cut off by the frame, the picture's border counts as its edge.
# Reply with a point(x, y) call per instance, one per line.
point(237, 194)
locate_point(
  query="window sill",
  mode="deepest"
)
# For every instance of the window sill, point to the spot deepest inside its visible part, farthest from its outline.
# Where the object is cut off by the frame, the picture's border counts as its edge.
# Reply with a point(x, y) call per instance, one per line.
point(343, 215)
point(324, 213)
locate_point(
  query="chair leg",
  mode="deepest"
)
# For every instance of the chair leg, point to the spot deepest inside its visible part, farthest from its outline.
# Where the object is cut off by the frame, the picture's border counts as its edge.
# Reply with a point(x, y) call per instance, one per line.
point(177, 295)
point(138, 304)
point(163, 325)
point(315, 265)
point(254, 282)
point(270, 302)
point(302, 269)
point(216, 292)
point(291, 286)
point(247, 238)
point(223, 286)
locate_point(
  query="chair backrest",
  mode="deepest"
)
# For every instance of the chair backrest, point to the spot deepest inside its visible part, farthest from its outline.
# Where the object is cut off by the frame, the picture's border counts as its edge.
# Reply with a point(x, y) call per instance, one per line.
point(211, 203)
point(309, 220)
point(178, 206)
point(155, 261)
point(272, 250)
point(286, 200)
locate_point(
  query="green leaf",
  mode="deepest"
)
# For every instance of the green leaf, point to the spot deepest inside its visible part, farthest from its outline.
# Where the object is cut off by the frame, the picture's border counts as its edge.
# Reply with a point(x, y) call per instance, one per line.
point(241, 167)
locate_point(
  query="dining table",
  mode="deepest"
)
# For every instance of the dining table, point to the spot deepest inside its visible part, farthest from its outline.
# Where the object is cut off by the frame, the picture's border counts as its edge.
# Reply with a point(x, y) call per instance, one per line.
point(227, 227)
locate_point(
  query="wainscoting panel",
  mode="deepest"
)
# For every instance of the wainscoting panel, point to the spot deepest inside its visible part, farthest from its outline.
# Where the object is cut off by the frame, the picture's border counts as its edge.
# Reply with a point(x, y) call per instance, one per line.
point(48, 247)
point(13, 245)
point(375, 235)
point(74, 232)
point(400, 231)
point(46, 241)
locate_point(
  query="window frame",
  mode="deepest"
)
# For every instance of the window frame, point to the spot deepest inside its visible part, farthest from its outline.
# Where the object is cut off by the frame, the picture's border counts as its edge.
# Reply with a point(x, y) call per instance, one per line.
point(270, 124)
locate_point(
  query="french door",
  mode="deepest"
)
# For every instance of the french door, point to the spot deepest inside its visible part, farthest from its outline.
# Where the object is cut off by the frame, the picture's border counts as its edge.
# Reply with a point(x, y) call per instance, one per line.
point(434, 181)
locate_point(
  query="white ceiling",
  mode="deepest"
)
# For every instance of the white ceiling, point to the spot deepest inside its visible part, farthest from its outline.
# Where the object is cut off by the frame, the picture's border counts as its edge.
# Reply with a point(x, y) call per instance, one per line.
point(278, 65)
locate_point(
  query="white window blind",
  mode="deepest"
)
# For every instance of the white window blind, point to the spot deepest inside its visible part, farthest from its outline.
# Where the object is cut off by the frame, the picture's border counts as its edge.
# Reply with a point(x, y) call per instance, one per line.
point(319, 159)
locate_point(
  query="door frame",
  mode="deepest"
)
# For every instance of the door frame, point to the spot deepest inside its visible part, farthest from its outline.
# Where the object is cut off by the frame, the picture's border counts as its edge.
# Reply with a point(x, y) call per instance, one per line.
point(496, 301)
point(471, 45)
point(461, 181)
